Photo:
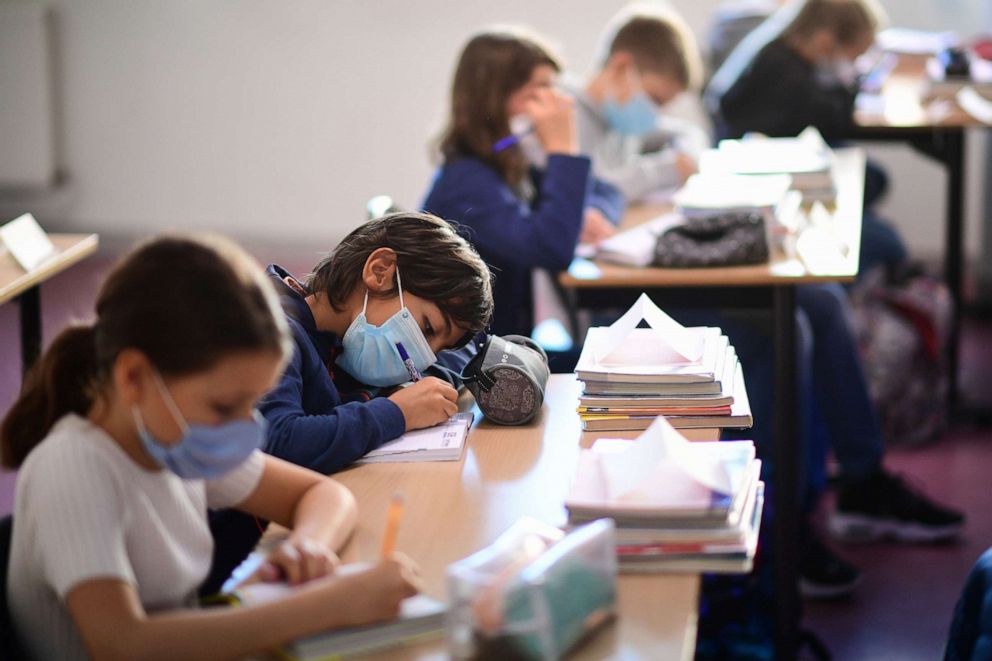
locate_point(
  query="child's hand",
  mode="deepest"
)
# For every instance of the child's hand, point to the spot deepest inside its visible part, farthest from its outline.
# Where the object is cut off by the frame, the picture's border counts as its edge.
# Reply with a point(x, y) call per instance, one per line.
point(426, 403)
point(686, 165)
point(595, 227)
point(297, 561)
point(376, 593)
point(554, 121)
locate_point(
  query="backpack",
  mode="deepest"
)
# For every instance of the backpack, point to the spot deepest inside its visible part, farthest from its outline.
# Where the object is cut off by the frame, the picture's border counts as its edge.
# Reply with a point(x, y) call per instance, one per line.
point(903, 333)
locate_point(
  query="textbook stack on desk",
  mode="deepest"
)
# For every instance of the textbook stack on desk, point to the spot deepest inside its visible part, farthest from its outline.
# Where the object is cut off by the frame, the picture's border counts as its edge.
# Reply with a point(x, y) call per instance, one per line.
point(633, 375)
point(806, 158)
point(678, 506)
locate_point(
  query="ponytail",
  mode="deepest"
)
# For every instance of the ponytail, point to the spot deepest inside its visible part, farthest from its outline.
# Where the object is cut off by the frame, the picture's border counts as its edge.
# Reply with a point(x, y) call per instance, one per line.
point(62, 382)
point(184, 302)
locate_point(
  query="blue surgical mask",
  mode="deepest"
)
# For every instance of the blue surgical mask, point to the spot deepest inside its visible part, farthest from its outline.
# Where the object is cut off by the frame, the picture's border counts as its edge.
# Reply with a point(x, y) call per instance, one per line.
point(369, 352)
point(204, 451)
point(635, 117)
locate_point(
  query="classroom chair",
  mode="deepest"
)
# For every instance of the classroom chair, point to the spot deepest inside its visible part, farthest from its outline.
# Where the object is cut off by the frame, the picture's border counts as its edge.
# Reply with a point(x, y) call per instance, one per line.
point(970, 637)
point(9, 649)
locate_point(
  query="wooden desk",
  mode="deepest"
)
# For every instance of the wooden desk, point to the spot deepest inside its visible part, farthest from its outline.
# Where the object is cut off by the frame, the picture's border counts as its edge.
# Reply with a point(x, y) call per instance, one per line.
point(769, 286)
point(906, 116)
point(23, 285)
point(455, 508)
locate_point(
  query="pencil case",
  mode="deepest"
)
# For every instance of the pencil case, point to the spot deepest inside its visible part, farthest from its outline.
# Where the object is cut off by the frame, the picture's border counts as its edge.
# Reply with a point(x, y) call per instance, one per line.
point(534, 593)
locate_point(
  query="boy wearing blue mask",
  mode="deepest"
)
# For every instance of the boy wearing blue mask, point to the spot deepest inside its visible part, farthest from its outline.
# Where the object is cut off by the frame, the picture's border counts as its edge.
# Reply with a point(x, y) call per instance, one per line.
point(648, 58)
point(404, 278)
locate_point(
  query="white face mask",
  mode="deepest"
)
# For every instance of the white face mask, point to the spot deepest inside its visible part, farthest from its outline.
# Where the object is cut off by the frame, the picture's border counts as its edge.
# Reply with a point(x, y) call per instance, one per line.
point(533, 150)
point(837, 70)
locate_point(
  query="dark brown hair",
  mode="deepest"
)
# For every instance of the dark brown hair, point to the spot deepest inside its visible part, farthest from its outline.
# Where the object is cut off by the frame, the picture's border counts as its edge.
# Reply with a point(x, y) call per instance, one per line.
point(849, 21)
point(185, 302)
point(493, 65)
point(435, 263)
point(659, 41)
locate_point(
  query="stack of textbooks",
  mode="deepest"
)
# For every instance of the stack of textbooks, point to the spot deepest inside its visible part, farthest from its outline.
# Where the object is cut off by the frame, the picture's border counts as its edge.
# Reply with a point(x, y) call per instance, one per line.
point(678, 506)
point(633, 375)
point(806, 158)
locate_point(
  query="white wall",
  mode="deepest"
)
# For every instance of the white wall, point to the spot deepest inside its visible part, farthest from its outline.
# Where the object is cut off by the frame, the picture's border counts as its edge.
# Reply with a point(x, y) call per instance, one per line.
point(276, 121)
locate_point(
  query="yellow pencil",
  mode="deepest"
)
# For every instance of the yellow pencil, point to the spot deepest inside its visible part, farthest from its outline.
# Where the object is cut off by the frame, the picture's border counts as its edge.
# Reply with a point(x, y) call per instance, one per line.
point(392, 525)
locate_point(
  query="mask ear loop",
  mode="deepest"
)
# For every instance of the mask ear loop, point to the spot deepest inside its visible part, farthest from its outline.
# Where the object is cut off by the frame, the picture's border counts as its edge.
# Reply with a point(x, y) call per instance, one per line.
point(399, 285)
point(170, 403)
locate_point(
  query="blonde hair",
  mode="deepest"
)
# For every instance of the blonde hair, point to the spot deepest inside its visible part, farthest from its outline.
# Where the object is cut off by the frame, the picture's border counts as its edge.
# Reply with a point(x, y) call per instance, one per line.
point(658, 39)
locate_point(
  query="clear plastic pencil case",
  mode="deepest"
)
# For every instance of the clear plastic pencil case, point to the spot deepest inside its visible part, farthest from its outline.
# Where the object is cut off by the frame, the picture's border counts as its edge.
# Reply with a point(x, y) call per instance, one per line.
point(533, 593)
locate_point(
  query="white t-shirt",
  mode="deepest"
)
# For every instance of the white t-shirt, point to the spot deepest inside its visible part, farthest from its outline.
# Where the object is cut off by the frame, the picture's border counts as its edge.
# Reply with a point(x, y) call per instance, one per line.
point(84, 510)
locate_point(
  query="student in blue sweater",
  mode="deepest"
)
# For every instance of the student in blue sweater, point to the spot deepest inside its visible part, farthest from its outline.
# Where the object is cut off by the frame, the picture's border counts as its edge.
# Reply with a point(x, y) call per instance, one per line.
point(404, 277)
point(512, 176)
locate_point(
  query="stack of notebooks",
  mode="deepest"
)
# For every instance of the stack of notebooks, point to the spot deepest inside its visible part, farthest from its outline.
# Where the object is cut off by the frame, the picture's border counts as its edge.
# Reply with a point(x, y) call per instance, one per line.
point(633, 375)
point(807, 159)
point(678, 506)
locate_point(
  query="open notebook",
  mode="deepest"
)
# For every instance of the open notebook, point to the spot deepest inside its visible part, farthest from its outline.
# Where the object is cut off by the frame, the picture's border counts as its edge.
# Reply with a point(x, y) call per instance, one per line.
point(420, 617)
point(443, 442)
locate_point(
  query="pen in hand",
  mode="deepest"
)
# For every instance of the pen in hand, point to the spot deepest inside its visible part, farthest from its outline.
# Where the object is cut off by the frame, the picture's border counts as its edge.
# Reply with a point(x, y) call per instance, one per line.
point(392, 525)
point(410, 367)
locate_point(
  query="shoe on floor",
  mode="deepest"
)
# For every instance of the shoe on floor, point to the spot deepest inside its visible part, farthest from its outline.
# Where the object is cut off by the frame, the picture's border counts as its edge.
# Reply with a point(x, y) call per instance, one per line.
point(885, 507)
point(822, 573)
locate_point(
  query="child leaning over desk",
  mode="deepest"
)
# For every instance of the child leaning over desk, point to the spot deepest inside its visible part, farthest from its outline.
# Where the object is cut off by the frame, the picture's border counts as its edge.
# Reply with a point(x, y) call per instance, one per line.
point(797, 70)
point(404, 278)
point(127, 431)
point(511, 175)
point(647, 58)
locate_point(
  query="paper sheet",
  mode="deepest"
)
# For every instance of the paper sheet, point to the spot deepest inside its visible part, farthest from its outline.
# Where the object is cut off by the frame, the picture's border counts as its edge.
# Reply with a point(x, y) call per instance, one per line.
point(26, 241)
point(671, 333)
point(975, 104)
point(626, 470)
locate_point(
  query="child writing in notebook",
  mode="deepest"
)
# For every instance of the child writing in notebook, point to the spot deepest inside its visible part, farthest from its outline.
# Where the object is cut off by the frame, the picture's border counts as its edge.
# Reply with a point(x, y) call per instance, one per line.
point(648, 57)
point(403, 278)
point(512, 175)
point(127, 431)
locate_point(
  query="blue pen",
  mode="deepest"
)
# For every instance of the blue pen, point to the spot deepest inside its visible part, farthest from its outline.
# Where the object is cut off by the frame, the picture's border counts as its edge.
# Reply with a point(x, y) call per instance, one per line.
point(410, 367)
point(505, 143)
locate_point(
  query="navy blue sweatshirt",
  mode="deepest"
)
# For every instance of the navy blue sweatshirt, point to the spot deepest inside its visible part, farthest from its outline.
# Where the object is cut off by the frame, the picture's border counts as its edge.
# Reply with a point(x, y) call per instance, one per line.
point(515, 236)
point(778, 93)
point(310, 422)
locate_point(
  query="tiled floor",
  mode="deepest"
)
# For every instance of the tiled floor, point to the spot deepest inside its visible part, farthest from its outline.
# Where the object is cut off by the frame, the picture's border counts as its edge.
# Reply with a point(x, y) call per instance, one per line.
point(903, 607)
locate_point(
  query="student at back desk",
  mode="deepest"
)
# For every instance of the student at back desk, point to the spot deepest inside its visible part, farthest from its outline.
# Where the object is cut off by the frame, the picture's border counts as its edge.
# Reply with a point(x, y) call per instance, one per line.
point(511, 175)
point(797, 70)
point(648, 58)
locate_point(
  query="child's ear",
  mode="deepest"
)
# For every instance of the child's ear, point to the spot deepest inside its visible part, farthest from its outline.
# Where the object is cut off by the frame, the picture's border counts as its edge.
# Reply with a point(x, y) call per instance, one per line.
point(619, 64)
point(380, 270)
point(131, 374)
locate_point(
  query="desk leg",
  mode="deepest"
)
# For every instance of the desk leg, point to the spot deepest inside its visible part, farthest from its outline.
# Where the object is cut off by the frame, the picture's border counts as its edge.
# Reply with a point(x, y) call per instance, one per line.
point(953, 157)
point(786, 488)
point(30, 311)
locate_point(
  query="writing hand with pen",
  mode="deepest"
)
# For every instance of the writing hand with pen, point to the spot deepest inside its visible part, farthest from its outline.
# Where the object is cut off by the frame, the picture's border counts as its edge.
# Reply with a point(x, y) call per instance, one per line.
point(428, 401)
